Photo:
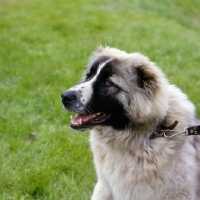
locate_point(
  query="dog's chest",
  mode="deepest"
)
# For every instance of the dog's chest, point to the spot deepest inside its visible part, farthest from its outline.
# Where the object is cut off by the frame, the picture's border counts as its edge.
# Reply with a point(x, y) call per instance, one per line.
point(129, 180)
point(124, 164)
point(128, 175)
point(132, 175)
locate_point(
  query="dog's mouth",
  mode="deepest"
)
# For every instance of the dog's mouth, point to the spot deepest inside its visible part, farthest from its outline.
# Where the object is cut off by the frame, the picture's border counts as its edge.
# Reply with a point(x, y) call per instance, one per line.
point(83, 122)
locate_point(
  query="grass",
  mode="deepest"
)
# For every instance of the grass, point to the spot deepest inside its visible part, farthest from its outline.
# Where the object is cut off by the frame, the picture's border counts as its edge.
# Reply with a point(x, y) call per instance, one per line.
point(44, 46)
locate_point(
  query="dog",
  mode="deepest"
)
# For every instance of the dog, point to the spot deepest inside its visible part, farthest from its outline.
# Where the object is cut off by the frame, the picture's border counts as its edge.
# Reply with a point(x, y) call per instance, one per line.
point(138, 123)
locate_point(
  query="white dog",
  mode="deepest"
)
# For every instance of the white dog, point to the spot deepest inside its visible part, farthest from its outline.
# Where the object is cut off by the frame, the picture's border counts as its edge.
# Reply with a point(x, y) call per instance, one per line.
point(132, 112)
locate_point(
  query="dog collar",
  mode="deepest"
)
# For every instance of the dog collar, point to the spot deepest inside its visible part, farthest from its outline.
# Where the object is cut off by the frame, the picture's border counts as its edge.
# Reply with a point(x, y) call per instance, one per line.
point(168, 132)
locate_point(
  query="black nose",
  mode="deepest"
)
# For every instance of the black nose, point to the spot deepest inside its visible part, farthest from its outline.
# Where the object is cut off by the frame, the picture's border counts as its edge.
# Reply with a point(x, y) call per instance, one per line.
point(68, 96)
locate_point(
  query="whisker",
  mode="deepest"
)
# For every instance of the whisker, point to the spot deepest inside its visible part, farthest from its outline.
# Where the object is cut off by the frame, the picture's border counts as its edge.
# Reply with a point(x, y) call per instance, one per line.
point(89, 109)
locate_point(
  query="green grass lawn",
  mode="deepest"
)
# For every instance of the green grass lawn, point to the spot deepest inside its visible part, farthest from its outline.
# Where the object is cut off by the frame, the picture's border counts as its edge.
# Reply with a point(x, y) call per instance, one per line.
point(44, 47)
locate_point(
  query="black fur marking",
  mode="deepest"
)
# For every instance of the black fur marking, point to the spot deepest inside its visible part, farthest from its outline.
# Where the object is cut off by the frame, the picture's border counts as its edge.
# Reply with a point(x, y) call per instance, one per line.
point(103, 100)
point(118, 119)
point(94, 67)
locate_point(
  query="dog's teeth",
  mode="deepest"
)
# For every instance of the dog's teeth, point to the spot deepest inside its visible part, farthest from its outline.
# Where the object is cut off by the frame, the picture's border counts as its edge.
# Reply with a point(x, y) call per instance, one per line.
point(98, 113)
point(71, 117)
point(75, 123)
point(80, 121)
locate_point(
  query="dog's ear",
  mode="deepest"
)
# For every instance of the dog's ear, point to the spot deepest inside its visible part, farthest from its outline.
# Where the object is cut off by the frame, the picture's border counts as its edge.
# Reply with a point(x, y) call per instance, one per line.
point(146, 78)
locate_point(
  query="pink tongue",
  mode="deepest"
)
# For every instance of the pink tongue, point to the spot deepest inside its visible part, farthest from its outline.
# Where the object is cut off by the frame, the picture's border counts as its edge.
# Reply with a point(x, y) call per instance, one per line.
point(84, 118)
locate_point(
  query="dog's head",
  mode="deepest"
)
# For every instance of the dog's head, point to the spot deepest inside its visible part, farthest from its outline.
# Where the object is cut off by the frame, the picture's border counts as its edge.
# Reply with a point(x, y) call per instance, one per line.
point(118, 90)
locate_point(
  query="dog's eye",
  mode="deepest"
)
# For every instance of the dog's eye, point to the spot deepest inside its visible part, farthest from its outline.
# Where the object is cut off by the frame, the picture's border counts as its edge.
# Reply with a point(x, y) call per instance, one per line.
point(108, 83)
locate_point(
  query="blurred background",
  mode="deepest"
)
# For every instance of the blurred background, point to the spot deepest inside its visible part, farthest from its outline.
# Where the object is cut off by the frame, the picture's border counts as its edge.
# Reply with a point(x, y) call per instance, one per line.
point(44, 48)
